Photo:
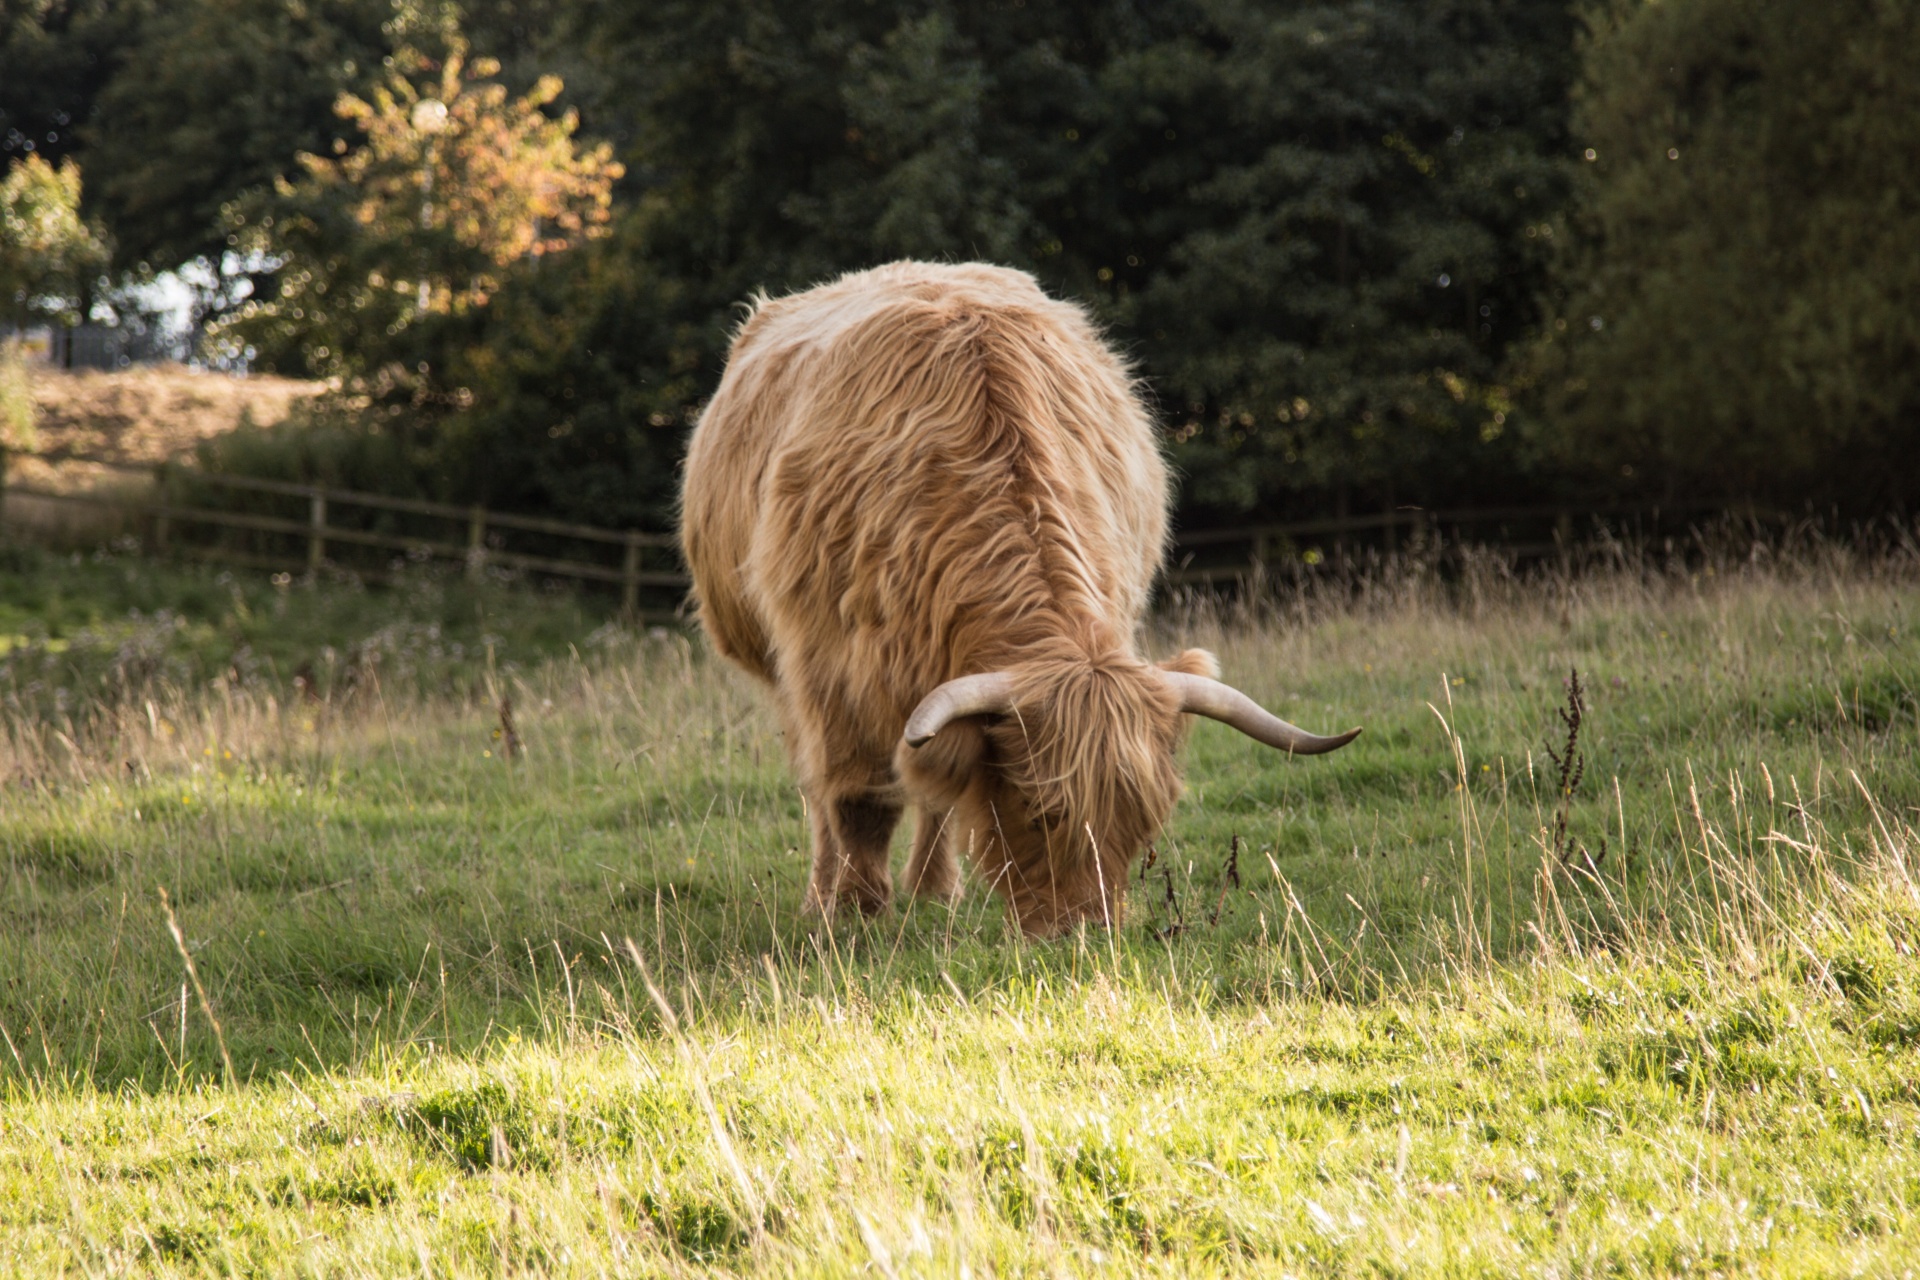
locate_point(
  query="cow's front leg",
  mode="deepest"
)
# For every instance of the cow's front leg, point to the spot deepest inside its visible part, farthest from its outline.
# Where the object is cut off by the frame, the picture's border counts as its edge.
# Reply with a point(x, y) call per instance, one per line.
point(850, 838)
point(824, 879)
point(932, 871)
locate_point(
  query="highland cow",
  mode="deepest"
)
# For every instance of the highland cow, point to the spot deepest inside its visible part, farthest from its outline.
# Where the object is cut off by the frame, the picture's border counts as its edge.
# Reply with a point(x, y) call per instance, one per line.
point(926, 507)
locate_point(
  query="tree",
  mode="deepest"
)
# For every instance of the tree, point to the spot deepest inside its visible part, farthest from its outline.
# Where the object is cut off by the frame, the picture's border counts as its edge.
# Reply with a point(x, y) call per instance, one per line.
point(220, 99)
point(443, 190)
point(576, 394)
point(56, 57)
point(49, 257)
point(1317, 228)
point(1356, 190)
point(1308, 222)
point(1738, 317)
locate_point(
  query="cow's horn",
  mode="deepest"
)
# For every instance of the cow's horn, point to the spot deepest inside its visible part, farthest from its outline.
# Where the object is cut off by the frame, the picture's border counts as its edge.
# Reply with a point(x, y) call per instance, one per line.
point(1203, 697)
point(967, 696)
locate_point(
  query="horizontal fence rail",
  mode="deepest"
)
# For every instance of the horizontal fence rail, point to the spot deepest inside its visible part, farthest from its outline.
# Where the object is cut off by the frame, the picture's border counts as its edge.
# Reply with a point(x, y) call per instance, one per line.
point(1202, 558)
point(323, 528)
point(1206, 557)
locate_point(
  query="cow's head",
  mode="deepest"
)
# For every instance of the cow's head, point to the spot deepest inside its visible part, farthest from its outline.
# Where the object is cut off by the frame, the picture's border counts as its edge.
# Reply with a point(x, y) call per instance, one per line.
point(1055, 774)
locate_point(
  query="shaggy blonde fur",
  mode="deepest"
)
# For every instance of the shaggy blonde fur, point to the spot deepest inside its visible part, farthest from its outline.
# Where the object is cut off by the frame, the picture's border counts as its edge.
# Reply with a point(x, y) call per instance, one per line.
point(920, 472)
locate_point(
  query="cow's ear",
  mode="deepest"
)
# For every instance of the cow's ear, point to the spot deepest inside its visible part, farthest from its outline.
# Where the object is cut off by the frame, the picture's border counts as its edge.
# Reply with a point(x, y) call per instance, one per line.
point(1193, 662)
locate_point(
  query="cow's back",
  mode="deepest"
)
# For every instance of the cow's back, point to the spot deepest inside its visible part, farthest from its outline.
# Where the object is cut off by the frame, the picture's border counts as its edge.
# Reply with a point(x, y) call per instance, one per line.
point(905, 471)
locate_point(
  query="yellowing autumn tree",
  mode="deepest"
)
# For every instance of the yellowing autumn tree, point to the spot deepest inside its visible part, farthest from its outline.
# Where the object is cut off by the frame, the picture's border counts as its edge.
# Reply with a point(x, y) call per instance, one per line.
point(49, 256)
point(449, 182)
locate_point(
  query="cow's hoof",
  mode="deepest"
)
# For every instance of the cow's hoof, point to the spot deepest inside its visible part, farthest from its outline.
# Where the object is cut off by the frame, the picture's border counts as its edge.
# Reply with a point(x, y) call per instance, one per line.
point(847, 902)
point(945, 890)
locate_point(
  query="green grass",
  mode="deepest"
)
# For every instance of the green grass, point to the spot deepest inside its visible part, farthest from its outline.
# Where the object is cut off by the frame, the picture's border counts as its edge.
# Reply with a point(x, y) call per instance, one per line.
point(559, 1013)
point(86, 629)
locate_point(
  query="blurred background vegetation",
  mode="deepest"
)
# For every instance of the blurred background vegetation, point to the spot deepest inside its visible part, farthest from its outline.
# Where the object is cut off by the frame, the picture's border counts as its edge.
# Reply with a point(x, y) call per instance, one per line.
point(1365, 254)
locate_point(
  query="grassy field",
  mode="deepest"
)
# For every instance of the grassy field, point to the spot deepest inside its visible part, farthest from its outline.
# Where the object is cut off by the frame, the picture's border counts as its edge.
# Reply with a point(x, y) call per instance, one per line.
point(85, 631)
point(328, 979)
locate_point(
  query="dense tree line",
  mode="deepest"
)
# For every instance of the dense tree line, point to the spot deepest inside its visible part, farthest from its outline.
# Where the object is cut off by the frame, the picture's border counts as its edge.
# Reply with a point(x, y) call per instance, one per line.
point(1740, 309)
point(1356, 248)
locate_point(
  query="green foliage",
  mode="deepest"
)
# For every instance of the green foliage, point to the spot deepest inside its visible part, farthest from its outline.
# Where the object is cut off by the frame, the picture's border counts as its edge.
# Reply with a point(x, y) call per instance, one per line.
point(1737, 318)
point(219, 97)
point(571, 394)
point(579, 388)
point(56, 56)
point(16, 400)
point(446, 184)
point(1322, 231)
point(1261, 203)
point(328, 441)
point(1267, 240)
point(1352, 186)
point(49, 256)
point(184, 107)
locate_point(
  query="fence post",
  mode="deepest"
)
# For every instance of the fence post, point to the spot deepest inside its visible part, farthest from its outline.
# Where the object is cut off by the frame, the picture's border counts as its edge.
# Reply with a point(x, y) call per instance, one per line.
point(317, 531)
point(1341, 511)
point(163, 489)
point(5, 462)
point(476, 541)
point(630, 575)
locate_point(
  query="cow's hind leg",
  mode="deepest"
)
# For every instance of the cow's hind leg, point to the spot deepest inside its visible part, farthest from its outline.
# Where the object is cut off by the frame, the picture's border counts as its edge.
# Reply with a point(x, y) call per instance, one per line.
point(850, 853)
point(932, 871)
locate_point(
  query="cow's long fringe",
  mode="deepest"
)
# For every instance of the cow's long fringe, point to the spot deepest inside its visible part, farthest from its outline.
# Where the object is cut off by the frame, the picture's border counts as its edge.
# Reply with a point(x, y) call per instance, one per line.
point(1092, 748)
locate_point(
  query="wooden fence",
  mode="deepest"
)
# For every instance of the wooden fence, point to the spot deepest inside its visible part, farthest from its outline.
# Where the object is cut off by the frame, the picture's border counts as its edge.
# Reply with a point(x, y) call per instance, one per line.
point(1210, 557)
point(322, 528)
